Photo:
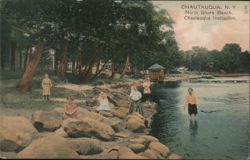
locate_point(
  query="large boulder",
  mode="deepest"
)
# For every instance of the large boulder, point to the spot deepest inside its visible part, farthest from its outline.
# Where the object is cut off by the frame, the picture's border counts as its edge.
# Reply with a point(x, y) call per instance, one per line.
point(16, 133)
point(144, 139)
point(116, 123)
point(135, 122)
point(120, 112)
point(88, 127)
point(137, 147)
point(86, 146)
point(160, 148)
point(104, 131)
point(149, 138)
point(174, 157)
point(122, 134)
point(151, 154)
point(50, 147)
point(113, 154)
point(77, 128)
point(82, 113)
point(137, 140)
point(126, 153)
point(7, 155)
point(47, 120)
point(60, 132)
point(106, 114)
point(123, 103)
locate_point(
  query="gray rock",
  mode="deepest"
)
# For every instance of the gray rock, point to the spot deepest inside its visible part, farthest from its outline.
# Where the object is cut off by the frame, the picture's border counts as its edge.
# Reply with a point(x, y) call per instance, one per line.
point(86, 146)
point(49, 147)
point(137, 147)
point(16, 133)
point(47, 121)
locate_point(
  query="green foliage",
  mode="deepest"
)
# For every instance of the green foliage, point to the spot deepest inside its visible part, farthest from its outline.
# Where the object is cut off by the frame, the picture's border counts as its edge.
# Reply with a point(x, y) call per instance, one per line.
point(230, 59)
point(96, 30)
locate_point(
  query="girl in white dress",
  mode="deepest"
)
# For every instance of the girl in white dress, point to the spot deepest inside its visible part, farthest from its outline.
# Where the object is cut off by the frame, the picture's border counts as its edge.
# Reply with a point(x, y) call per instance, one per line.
point(135, 97)
point(104, 103)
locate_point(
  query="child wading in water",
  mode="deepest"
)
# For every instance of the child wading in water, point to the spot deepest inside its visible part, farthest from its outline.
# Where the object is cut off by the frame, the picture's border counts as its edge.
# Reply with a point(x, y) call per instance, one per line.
point(46, 85)
point(191, 102)
point(70, 109)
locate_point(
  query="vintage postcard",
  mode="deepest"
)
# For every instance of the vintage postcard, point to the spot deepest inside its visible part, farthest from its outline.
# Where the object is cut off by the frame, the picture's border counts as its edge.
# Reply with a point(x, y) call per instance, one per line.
point(124, 79)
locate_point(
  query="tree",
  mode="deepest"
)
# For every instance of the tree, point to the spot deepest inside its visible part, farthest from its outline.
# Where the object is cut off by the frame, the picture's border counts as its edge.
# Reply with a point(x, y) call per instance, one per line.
point(91, 33)
point(231, 53)
point(27, 76)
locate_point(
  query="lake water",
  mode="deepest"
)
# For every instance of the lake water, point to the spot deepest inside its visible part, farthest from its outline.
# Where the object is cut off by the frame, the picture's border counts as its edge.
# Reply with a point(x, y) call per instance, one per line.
point(222, 130)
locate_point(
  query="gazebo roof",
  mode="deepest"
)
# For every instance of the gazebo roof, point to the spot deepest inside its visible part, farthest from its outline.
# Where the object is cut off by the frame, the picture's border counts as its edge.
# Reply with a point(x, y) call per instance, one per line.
point(156, 67)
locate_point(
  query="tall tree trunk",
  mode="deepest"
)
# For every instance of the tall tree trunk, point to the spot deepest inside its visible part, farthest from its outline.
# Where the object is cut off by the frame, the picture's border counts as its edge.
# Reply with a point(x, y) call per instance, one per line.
point(26, 57)
point(98, 66)
point(2, 54)
point(73, 66)
point(77, 63)
point(100, 70)
point(125, 66)
point(63, 61)
point(56, 61)
point(29, 71)
point(20, 60)
point(112, 69)
point(13, 55)
point(78, 66)
point(89, 68)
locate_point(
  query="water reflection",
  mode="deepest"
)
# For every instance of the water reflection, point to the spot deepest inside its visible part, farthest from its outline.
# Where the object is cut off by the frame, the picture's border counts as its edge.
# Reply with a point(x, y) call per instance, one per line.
point(221, 130)
point(193, 128)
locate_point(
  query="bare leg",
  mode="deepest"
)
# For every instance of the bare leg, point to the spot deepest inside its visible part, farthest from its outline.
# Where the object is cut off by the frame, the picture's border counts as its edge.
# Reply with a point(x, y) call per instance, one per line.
point(193, 117)
point(131, 107)
point(190, 117)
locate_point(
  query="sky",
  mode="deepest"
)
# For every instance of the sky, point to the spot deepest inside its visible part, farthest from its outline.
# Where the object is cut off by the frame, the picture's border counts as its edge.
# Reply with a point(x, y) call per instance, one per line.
point(212, 34)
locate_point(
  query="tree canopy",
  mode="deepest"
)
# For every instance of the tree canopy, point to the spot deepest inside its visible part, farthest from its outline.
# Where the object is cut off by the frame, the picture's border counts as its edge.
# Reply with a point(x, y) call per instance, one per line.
point(87, 31)
point(230, 59)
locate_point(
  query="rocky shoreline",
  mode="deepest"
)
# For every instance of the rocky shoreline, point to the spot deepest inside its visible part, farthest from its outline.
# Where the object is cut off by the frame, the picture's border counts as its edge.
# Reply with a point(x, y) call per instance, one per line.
point(94, 135)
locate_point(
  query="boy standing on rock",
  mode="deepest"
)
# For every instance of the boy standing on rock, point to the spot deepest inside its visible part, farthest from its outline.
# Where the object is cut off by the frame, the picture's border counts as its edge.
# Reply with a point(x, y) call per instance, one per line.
point(135, 96)
point(46, 85)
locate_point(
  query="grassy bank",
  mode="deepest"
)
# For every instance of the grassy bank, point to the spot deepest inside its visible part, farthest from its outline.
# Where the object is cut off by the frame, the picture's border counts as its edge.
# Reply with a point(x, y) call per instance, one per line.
point(17, 102)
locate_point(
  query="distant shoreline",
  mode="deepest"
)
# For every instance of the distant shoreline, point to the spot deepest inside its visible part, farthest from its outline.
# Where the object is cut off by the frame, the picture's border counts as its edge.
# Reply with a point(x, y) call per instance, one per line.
point(230, 74)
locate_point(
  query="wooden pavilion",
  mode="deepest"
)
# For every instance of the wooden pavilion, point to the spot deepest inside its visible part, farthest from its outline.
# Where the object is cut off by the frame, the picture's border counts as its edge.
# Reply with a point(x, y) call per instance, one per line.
point(156, 73)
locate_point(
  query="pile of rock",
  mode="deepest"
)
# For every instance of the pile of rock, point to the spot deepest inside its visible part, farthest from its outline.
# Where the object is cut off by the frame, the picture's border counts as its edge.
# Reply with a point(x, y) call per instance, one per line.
point(113, 134)
point(142, 147)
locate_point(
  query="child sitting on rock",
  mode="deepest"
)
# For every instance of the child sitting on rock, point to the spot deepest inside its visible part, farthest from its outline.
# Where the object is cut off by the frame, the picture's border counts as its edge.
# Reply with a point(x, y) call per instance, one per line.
point(104, 103)
point(70, 109)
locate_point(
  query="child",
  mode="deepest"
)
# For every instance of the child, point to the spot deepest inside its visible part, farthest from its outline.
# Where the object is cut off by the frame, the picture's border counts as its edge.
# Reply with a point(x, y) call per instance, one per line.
point(191, 102)
point(70, 109)
point(46, 85)
point(135, 96)
point(146, 90)
point(104, 104)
